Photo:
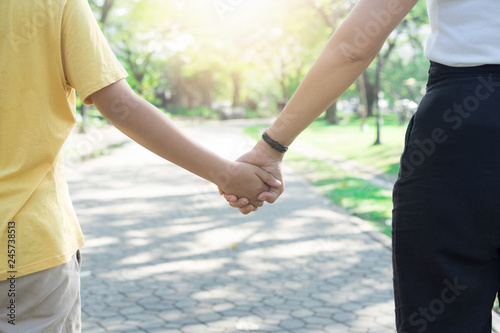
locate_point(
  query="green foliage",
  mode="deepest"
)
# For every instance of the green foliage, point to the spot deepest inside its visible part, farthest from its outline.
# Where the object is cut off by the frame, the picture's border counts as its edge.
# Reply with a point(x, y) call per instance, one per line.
point(188, 54)
point(405, 74)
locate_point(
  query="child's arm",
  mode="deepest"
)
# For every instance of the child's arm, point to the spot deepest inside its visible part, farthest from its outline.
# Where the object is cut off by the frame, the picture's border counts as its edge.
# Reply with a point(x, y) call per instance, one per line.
point(148, 126)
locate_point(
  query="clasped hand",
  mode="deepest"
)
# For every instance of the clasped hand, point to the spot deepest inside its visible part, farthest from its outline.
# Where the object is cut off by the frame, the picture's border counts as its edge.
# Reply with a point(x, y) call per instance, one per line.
point(258, 179)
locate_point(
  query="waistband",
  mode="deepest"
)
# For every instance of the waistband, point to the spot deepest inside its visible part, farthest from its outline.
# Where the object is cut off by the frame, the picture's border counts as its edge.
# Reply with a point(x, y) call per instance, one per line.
point(437, 68)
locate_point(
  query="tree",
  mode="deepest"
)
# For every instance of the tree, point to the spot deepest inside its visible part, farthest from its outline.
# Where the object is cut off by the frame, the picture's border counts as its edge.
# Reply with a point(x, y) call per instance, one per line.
point(183, 53)
point(409, 28)
point(331, 13)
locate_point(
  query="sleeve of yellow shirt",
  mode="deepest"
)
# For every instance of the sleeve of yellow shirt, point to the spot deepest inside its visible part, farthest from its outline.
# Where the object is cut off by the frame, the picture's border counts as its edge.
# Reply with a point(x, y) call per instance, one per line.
point(88, 61)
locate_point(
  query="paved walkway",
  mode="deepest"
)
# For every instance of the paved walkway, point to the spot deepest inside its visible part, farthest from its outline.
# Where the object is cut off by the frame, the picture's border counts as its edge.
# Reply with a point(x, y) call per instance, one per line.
point(164, 253)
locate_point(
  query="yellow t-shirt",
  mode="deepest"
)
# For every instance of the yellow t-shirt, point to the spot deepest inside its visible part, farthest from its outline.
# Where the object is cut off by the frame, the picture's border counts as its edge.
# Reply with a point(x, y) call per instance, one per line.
point(48, 48)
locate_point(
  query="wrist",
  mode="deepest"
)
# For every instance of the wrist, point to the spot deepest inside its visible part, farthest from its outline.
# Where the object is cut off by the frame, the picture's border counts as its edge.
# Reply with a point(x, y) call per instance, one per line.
point(273, 143)
point(268, 151)
point(222, 172)
point(279, 135)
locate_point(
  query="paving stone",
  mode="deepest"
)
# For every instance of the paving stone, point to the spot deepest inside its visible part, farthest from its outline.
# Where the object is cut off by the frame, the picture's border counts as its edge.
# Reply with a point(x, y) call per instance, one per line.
point(308, 330)
point(358, 330)
point(311, 304)
point(226, 323)
point(344, 317)
point(130, 310)
point(171, 314)
point(221, 307)
point(351, 307)
point(152, 324)
point(336, 328)
point(208, 317)
point(142, 317)
point(301, 313)
point(92, 328)
point(317, 321)
point(163, 330)
point(364, 323)
point(186, 303)
point(235, 313)
point(188, 320)
point(292, 324)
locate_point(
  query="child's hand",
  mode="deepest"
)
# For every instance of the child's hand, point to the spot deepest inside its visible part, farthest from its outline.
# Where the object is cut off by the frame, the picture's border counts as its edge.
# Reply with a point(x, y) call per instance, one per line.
point(246, 181)
point(269, 160)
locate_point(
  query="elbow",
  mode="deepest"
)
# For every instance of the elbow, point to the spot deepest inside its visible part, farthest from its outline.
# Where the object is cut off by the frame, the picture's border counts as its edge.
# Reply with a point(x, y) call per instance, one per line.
point(352, 53)
point(116, 101)
point(121, 106)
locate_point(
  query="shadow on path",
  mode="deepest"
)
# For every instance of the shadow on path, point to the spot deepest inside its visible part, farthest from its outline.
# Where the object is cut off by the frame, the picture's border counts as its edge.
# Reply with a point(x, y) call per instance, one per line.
point(165, 254)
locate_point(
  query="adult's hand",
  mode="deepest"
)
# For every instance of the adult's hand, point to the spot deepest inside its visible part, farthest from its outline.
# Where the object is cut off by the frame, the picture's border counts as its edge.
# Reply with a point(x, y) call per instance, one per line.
point(269, 160)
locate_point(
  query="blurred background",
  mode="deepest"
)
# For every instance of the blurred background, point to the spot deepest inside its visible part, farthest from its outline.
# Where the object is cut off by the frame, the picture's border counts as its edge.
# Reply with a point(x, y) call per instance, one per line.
point(221, 59)
point(205, 60)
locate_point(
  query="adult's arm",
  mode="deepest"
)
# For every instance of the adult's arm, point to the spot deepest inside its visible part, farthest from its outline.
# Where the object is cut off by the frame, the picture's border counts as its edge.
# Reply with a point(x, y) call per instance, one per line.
point(348, 53)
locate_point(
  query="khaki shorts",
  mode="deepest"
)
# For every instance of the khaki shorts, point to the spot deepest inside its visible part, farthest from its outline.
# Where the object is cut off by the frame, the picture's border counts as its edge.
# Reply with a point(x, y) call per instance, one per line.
point(46, 301)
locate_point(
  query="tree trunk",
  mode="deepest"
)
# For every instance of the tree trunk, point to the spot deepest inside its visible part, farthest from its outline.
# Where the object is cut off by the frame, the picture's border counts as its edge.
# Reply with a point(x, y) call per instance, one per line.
point(381, 61)
point(364, 102)
point(284, 92)
point(204, 83)
point(378, 139)
point(370, 93)
point(106, 7)
point(331, 114)
point(83, 111)
point(236, 89)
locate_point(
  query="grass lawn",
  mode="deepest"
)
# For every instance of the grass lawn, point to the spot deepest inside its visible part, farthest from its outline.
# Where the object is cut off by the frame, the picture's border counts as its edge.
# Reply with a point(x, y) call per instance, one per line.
point(365, 200)
point(349, 141)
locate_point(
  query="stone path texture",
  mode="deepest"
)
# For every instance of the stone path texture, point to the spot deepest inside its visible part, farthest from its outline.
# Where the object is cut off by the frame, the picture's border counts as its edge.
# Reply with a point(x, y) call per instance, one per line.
point(164, 253)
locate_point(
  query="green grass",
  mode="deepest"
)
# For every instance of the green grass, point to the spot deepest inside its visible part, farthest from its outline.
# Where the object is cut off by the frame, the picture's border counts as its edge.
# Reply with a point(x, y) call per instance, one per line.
point(253, 131)
point(365, 200)
point(360, 197)
point(350, 142)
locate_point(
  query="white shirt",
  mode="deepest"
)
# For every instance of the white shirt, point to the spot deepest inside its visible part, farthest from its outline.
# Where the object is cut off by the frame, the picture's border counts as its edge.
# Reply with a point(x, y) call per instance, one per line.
point(464, 32)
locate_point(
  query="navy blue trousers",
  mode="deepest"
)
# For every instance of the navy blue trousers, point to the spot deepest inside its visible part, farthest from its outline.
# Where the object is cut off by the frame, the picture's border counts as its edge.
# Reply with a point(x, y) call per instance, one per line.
point(446, 217)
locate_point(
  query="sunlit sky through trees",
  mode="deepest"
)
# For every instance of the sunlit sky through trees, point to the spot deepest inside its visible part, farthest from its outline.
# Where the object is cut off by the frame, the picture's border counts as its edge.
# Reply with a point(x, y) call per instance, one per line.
point(249, 52)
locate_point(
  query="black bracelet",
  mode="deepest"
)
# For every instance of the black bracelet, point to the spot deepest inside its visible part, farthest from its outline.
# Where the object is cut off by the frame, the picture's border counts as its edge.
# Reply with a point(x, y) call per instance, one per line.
point(275, 145)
